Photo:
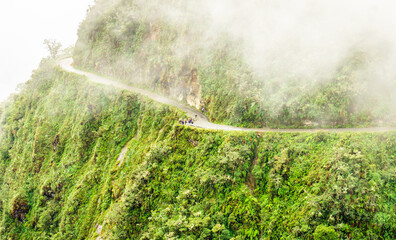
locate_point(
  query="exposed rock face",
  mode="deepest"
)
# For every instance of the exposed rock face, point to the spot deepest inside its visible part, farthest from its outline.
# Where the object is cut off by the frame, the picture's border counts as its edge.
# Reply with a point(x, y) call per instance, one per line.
point(121, 157)
point(99, 229)
point(193, 97)
point(189, 89)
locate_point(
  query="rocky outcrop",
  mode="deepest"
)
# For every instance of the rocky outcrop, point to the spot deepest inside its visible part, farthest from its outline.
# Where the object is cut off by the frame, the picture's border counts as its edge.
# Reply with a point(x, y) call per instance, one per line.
point(189, 89)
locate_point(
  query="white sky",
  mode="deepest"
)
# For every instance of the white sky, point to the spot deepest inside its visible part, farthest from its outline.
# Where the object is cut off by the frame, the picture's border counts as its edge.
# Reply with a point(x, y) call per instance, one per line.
point(24, 24)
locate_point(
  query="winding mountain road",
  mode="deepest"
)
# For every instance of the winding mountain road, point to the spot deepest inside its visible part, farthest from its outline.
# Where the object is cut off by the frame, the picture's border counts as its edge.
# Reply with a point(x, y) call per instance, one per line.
point(202, 120)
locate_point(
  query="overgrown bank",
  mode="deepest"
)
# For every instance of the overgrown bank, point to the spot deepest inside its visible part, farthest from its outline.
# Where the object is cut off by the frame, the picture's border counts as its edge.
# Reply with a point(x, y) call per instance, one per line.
point(62, 178)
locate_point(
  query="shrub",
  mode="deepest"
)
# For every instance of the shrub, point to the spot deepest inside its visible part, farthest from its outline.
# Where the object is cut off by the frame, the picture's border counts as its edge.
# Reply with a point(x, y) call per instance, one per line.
point(323, 232)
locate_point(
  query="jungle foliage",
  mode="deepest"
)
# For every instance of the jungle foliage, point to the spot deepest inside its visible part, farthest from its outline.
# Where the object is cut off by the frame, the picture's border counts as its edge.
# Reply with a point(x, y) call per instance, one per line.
point(134, 42)
point(62, 177)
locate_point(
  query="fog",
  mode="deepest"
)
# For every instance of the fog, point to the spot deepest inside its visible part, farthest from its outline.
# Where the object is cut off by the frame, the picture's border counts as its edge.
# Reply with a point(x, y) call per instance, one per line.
point(308, 39)
point(24, 25)
point(285, 39)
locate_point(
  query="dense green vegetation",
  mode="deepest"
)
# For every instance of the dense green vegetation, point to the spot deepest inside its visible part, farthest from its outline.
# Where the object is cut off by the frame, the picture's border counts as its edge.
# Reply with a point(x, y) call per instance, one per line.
point(61, 176)
point(140, 44)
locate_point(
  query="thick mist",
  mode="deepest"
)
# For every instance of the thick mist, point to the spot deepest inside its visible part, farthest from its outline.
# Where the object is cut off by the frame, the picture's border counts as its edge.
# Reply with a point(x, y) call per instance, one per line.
point(308, 39)
point(299, 45)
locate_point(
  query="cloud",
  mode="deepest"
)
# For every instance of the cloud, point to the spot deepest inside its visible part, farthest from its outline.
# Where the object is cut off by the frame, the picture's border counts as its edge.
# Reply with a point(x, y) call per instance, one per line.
point(307, 39)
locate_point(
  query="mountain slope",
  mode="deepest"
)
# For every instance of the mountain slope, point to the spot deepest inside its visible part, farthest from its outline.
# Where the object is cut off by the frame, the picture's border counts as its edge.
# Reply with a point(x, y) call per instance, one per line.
point(62, 176)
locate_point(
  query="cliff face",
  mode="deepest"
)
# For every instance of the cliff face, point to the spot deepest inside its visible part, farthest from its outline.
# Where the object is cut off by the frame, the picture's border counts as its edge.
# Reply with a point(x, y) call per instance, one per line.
point(190, 90)
point(78, 161)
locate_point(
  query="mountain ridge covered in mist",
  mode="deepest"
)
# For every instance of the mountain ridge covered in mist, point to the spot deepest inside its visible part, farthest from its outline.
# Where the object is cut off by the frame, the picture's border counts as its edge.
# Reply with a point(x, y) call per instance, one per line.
point(248, 64)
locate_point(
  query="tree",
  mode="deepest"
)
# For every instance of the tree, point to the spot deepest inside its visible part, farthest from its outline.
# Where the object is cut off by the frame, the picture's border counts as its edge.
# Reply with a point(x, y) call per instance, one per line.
point(53, 47)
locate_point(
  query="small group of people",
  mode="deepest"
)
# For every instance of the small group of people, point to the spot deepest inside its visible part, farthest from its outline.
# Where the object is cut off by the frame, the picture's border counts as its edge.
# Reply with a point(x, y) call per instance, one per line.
point(186, 121)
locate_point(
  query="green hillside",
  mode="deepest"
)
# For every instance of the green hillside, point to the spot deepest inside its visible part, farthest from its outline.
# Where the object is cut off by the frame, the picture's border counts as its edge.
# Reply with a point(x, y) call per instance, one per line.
point(79, 160)
point(138, 42)
point(62, 177)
